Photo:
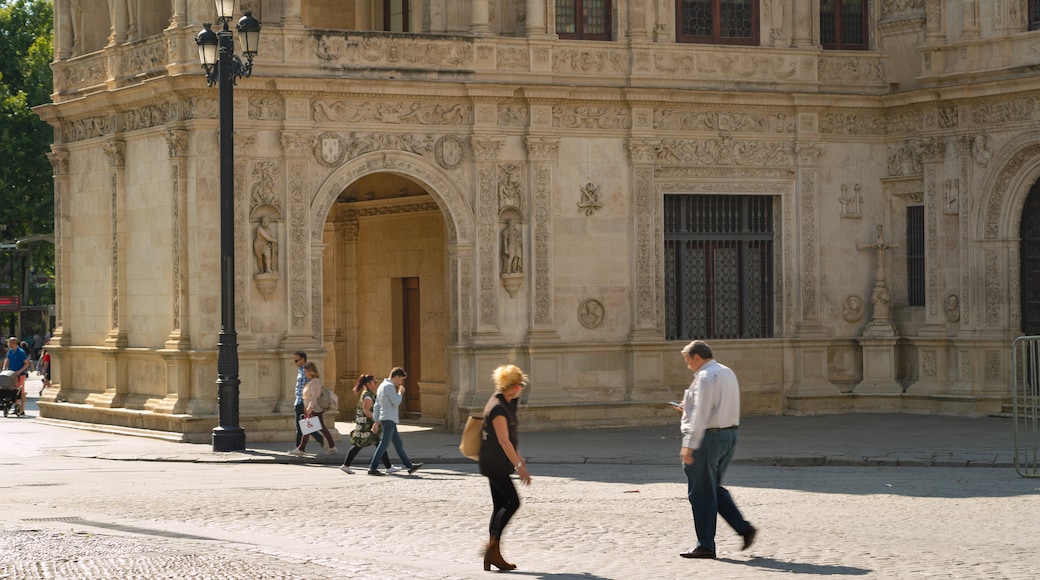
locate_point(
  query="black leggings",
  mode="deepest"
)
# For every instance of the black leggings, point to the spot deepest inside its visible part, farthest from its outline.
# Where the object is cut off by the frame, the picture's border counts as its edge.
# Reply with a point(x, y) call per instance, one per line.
point(354, 451)
point(506, 502)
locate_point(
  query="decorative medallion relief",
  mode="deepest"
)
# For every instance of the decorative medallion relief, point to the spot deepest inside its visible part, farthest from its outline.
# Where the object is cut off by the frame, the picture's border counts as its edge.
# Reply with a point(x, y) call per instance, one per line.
point(449, 151)
point(852, 309)
point(953, 309)
point(329, 149)
point(591, 313)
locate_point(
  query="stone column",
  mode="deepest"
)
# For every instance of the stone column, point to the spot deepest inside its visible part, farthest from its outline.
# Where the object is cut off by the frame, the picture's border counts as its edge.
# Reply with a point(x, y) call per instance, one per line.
point(485, 154)
point(642, 155)
point(62, 30)
point(120, 22)
point(177, 141)
point(479, 19)
point(804, 15)
point(535, 15)
point(292, 13)
point(637, 20)
point(541, 156)
point(970, 27)
point(180, 14)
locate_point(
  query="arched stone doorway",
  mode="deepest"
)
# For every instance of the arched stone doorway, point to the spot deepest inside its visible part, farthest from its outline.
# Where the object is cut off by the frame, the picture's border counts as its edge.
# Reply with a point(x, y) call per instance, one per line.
point(1029, 255)
point(392, 223)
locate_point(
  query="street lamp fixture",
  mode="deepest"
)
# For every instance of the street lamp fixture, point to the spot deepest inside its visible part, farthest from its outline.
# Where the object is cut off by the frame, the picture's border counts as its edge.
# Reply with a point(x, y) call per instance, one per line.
point(223, 68)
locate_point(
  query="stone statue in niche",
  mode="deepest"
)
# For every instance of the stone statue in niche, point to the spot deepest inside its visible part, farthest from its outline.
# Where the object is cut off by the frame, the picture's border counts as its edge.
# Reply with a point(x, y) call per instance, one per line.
point(589, 201)
point(512, 248)
point(265, 247)
point(953, 190)
point(953, 309)
point(850, 201)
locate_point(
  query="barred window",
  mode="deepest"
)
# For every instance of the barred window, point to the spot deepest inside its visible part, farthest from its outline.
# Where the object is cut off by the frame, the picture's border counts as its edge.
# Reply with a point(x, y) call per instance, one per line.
point(915, 254)
point(843, 24)
point(717, 21)
point(395, 15)
point(718, 266)
point(583, 19)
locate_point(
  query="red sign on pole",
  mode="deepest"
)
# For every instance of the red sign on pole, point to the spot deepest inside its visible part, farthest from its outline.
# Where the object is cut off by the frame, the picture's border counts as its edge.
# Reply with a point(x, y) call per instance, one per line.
point(10, 303)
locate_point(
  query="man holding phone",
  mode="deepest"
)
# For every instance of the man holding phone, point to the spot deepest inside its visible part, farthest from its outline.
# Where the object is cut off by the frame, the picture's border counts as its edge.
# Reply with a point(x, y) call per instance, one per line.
point(711, 413)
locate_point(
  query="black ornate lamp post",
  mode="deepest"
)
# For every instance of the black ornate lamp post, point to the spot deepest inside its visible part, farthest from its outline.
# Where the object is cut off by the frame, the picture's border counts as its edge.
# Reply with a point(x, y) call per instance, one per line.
point(223, 66)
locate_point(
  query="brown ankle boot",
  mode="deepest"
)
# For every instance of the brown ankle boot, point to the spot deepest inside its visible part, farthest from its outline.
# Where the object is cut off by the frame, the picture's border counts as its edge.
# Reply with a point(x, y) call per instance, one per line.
point(493, 555)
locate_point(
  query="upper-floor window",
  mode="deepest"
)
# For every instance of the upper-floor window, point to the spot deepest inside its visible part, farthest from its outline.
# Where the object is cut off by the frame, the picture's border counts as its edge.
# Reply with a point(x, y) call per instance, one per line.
point(717, 21)
point(843, 24)
point(1034, 14)
point(583, 19)
point(395, 15)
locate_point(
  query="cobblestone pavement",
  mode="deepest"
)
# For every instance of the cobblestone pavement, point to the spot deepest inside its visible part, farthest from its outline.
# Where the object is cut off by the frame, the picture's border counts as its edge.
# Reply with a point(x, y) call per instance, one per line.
point(82, 518)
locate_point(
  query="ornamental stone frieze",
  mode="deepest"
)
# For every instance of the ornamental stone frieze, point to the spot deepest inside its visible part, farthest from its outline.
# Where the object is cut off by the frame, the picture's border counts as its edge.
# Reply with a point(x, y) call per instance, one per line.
point(723, 173)
point(266, 108)
point(751, 65)
point(586, 117)
point(145, 117)
point(342, 111)
point(513, 58)
point(374, 51)
point(201, 108)
point(851, 124)
point(851, 69)
point(904, 159)
point(588, 60)
point(894, 7)
point(904, 121)
point(733, 122)
point(147, 58)
point(513, 115)
point(993, 113)
point(725, 151)
point(88, 128)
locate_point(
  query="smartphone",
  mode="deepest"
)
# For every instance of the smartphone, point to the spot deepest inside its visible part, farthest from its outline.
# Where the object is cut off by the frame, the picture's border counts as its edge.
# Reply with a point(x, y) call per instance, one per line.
point(676, 404)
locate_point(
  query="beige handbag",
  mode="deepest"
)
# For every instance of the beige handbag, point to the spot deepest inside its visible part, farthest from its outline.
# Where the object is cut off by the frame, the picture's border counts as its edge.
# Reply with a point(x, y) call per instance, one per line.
point(471, 436)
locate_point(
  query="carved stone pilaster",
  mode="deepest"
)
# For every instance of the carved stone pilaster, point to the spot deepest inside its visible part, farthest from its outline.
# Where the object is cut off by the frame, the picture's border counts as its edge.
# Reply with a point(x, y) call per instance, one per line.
point(299, 279)
point(541, 155)
point(643, 155)
point(808, 177)
point(115, 152)
point(177, 141)
point(59, 159)
point(933, 153)
point(485, 153)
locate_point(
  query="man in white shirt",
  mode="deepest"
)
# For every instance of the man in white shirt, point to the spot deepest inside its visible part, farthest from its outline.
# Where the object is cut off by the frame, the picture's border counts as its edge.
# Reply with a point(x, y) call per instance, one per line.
point(711, 413)
point(386, 415)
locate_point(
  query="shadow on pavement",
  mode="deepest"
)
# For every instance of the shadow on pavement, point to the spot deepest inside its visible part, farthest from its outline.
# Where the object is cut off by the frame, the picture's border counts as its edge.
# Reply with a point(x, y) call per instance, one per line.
point(799, 567)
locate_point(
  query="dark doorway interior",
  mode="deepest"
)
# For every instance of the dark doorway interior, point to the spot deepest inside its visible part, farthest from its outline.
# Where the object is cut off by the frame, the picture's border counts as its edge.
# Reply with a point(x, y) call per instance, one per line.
point(1029, 253)
point(412, 346)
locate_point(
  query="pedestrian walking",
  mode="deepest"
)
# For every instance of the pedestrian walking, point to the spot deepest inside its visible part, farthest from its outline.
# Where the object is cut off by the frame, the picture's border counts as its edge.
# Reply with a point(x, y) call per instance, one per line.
point(311, 393)
point(45, 370)
point(17, 360)
point(362, 435)
point(499, 458)
point(710, 416)
point(387, 416)
point(300, 359)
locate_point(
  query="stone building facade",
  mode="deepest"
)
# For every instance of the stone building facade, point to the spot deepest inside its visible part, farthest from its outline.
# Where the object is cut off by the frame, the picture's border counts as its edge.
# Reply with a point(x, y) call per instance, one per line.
point(847, 213)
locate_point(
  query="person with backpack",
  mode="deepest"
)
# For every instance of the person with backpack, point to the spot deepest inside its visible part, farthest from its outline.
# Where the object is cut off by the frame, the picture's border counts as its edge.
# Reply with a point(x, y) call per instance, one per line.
point(312, 404)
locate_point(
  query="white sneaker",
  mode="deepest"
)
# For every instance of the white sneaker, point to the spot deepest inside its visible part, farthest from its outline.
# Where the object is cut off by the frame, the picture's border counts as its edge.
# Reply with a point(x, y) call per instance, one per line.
point(346, 469)
point(330, 451)
point(394, 469)
point(296, 451)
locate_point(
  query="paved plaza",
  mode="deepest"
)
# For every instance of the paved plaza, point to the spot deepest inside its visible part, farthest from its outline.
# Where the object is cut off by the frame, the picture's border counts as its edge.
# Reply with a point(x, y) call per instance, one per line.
point(827, 496)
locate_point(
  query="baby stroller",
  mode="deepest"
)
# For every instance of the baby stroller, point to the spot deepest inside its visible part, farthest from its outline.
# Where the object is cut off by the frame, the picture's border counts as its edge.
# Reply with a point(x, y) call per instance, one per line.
point(10, 396)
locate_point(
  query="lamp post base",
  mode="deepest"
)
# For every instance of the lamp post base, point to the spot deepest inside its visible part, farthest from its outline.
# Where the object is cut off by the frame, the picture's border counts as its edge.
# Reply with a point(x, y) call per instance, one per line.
point(229, 439)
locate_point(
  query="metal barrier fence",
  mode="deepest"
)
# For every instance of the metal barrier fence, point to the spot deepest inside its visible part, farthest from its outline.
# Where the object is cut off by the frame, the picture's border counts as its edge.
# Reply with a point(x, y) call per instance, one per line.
point(1025, 403)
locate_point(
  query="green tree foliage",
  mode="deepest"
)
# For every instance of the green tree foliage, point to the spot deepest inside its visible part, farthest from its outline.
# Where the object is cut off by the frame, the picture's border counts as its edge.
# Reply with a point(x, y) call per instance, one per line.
point(26, 183)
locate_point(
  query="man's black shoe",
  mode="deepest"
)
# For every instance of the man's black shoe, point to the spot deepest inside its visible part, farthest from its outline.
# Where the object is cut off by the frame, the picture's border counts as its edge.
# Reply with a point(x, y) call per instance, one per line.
point(749, 537)
point(415, 467)
point(699, 552)
point(375, 472)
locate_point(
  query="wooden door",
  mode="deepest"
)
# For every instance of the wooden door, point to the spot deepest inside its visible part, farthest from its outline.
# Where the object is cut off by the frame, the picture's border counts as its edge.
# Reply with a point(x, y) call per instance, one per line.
point(410, 306)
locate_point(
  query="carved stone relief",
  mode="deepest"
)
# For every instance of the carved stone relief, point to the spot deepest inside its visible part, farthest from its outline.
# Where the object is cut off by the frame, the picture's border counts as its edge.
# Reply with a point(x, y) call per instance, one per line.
point(891, 7)
point(953, 309)
point(851, 199)
point(982, 149)
point(265, 108)
point(510, 192)
point(389, 112)
point(329, 149)
point(716, 121)
point(850, 124)
point(449, 151)
point(591, 313)
point(584, 117)
point(852, 309)
point(724, 151)
point(589, 202)
point(951, 197)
